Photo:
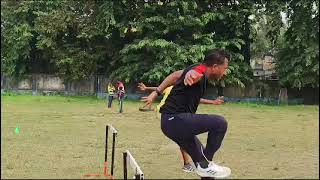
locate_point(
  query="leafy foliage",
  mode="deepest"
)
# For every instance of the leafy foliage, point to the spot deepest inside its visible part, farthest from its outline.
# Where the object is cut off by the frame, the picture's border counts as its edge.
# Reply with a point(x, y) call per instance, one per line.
point(170, 35)
point(147, 40)
point(298, 47)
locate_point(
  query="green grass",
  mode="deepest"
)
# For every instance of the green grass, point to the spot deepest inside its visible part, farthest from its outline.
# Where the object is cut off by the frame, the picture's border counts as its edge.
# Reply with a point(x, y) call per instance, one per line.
point(63, 137)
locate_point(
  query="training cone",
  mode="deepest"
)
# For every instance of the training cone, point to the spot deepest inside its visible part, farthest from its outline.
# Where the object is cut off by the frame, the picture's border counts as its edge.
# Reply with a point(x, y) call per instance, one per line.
point(17, 130)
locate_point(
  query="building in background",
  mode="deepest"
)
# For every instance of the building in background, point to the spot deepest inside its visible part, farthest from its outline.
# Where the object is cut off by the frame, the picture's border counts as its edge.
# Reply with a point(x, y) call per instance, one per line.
point(264, 68)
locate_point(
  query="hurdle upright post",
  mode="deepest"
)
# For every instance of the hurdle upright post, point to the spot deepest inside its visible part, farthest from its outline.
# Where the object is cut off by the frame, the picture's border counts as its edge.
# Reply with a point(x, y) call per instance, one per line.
point(125, 167)
point(129, 159)
point(138, 176)
point(113, 152)
point(106, 147)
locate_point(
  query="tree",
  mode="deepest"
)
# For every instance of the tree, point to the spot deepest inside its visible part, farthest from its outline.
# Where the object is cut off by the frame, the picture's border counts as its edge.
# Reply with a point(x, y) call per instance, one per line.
point(297, 48)
point(163, 36)
point(298, 55)
point(147, 40)
point(74, 36)
point(15, 39)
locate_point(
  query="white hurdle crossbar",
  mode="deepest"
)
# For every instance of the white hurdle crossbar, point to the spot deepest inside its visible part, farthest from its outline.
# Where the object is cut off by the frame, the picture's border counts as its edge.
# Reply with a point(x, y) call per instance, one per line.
point(128, 159)
point(112, 129)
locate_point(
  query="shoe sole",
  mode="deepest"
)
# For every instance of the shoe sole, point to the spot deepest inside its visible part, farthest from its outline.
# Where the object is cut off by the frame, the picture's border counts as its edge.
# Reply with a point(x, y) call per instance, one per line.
point(187, 171)
point(201, 174)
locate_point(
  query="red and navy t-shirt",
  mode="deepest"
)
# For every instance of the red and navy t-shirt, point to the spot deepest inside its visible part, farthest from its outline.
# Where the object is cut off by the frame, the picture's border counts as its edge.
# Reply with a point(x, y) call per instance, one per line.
point(186, 99)
point(121, 90)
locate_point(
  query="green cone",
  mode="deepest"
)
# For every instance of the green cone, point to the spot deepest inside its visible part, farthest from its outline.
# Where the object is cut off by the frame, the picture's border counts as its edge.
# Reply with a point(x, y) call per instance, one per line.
point(17, 130)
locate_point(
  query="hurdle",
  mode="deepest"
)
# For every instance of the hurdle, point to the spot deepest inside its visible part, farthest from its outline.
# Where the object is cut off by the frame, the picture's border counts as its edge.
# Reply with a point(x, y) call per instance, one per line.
point(105, 170)
point(114, 134)
point(128, 159)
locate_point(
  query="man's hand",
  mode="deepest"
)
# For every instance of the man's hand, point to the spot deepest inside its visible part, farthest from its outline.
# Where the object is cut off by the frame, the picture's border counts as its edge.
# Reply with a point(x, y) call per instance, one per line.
point(149, 99)
point(142, 87)
point(192, 77)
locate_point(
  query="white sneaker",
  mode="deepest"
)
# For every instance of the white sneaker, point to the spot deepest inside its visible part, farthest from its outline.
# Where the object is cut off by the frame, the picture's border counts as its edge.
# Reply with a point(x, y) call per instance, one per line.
point(213, 170)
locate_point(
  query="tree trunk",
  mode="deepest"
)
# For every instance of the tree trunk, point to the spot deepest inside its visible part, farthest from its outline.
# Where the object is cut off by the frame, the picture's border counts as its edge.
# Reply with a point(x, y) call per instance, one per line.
point(2, 80)
point(283, 96)
point(34, 84)
point(246, 47)
point(67, 88)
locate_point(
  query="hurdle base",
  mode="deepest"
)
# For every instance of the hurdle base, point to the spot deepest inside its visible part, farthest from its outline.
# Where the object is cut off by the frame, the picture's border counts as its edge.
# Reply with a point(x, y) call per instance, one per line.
point(105, 172)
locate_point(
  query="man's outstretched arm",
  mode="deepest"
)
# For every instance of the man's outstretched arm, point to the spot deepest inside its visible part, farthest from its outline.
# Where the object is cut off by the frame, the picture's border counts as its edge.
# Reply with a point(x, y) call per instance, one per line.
point(168, 81)
point(208, 101)
point(143, 87)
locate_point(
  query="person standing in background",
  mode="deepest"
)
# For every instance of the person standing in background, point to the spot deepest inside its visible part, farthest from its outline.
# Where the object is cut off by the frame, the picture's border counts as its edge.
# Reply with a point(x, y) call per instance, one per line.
point(220, 87)
point(111, 90)
point(121, 93)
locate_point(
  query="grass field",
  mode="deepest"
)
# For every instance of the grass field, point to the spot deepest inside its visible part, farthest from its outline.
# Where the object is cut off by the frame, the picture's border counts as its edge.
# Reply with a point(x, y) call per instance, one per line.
point(63, 137)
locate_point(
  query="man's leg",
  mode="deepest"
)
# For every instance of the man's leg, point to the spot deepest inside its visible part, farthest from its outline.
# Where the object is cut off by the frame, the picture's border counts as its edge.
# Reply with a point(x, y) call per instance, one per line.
point(188, 165)
point(186, 157)
point(183, 128)
point(121, 104)
point(110, 98)
point(215, 125)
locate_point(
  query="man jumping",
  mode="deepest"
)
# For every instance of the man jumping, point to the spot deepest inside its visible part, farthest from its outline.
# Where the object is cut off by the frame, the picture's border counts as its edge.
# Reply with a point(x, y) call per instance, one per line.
point(187, 161)
point(179, 121)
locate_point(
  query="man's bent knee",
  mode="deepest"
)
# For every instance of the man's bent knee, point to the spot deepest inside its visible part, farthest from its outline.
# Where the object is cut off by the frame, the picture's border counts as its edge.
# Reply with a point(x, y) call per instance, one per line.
point(222, 123)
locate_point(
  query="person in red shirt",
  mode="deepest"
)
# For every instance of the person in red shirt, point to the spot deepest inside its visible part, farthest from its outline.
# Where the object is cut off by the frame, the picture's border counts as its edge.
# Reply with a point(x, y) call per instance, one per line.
point(121, 93)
